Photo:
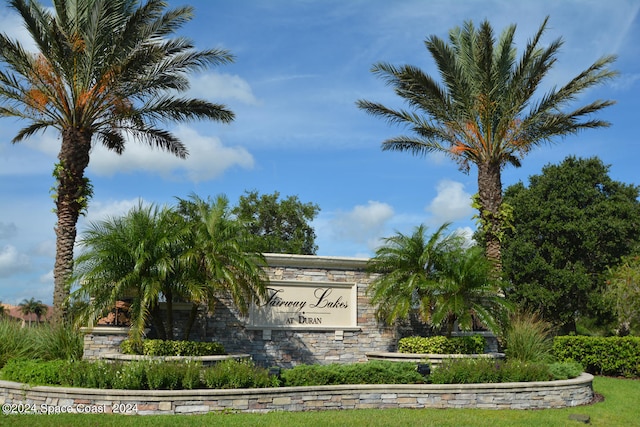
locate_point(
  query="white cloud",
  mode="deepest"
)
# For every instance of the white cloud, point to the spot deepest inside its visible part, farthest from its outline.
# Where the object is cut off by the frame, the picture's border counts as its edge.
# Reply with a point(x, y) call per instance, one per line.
point(100, 210)
point(363, 224)
point(450, 204)
point(12, 261)
point(208, 158)
point(218, 87)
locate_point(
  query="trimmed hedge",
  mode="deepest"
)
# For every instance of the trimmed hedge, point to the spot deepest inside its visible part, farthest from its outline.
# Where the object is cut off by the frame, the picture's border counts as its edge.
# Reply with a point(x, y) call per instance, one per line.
point(601, 355)
point(172, 348)
point(473, 344)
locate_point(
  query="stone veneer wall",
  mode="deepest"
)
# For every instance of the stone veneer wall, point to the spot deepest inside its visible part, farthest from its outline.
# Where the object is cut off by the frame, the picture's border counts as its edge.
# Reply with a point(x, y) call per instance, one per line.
point(287, 348)
point(281, 347)
point(534, 395)
point(102, 340)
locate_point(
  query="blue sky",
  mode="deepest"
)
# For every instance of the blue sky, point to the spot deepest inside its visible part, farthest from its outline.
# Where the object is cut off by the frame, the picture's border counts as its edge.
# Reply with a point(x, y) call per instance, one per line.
point(300, 67)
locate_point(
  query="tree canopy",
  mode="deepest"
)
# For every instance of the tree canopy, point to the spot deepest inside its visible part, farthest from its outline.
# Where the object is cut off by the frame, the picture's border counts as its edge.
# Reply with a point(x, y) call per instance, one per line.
point(570, 224)
point(281, 225)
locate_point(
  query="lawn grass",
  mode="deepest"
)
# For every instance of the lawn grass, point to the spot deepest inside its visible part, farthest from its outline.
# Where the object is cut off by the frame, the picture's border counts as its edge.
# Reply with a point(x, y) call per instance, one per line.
point(620, 408)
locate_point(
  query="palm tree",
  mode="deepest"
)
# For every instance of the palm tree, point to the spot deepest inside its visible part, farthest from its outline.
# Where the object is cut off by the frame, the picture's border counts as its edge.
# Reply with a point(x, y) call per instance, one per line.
point(220, 256)
point(33, 306)
point(190, 253)
point(134, 256)
point(103, 70)
point(484, 112)
point(406, 264)
point(441, 278)
point(467, 292)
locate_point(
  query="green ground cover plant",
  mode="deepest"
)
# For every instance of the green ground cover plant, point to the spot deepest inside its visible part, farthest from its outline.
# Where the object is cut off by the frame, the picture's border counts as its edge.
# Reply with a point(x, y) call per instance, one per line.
point(473, 344)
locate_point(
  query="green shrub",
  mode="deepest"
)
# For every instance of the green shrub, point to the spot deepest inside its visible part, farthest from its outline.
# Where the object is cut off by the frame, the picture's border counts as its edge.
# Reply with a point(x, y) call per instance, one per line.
point(33, 371)
point(237, 374)
point(166, 375)
point(374, 372)
point(601, 355)
point(473, 344)
point(172, 348)
point(472, 371)
point(565, 370)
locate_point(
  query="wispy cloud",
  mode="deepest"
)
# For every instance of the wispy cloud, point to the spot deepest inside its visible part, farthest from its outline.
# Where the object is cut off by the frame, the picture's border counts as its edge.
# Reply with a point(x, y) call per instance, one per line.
point(208, 158)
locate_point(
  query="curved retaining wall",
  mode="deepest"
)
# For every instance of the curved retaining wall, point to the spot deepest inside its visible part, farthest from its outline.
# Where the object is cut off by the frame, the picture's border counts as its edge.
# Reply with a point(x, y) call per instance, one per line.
point(533, 395)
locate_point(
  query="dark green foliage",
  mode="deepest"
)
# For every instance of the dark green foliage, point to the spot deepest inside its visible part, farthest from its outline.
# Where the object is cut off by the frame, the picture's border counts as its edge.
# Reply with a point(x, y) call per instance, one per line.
point(172, 348)
point(472, 371)
point(374, 372)
point(238, 374)
point(569, 225)
point(473, 344)
point(282, 226)
point(601, 355)
point(34, 371)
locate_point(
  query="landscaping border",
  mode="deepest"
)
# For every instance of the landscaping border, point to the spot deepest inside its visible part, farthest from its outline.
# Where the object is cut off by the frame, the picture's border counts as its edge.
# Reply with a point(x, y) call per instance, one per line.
point(523, 395)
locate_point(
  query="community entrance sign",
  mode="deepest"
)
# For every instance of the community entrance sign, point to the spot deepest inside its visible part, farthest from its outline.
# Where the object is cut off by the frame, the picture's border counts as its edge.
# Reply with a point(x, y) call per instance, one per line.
point(306, 305)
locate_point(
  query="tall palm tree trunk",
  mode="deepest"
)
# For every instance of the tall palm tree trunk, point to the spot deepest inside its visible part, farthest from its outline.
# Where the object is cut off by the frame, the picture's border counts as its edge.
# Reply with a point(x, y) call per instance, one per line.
point(490, 199)
point(71, 199)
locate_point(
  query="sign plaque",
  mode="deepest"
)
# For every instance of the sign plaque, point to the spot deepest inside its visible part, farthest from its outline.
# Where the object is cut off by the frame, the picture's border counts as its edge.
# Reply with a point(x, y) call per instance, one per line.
point(306, 305)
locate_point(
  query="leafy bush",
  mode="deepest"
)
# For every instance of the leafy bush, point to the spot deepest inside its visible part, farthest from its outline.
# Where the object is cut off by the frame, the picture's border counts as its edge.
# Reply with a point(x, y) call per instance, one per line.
point(472, 371)
point(528, 339)
point(33, 371)
point(601, 355)
point(172, 348)
point(473, 344)
point(565, 370)
point(374, 372)
point(238, 374)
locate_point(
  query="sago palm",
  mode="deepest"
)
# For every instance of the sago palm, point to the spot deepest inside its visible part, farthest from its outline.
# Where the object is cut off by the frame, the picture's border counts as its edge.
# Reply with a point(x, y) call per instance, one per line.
point(484, 112)
point(103, 70)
